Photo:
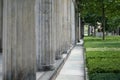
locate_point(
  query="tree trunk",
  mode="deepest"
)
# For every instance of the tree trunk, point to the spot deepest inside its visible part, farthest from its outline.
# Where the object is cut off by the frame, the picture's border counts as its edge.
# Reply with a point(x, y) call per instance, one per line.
point(103, 19)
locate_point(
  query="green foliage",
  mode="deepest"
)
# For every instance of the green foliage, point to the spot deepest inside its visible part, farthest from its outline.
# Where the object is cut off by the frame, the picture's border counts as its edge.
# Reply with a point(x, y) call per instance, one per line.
point(91, 11)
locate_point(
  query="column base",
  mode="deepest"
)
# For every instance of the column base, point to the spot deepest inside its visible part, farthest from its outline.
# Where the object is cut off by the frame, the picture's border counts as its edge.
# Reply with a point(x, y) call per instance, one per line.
point(65, 52)
point(58, 57)
point(46, 68)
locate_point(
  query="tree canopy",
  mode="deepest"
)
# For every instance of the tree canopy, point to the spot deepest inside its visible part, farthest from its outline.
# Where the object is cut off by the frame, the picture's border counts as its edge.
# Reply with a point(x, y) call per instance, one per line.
point(91, 11)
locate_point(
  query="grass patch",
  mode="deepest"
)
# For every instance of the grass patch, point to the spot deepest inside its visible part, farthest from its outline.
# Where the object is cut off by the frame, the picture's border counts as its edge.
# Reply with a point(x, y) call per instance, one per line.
point(101, 44)
point(103, 58)
point(103, 62)
point(105, 76)
point(103, 49)
point(95, 42)
point(108, 38)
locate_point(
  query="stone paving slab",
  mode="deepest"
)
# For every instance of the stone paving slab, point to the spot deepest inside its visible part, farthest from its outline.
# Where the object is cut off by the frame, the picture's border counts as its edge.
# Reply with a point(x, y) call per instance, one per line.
point(74, 68)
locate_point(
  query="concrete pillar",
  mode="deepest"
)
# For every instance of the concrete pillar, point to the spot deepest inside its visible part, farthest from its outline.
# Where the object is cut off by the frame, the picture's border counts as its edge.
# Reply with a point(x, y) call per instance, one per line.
point(53, 28)
point(66, 25)
point(76, 25)
point(64, 32)
point(58, 29)
point(19, 53)
point(69, 22)
point(45, 35)
point(61, 8)
point(1, 23)
point(73, 22)
point(82, 28)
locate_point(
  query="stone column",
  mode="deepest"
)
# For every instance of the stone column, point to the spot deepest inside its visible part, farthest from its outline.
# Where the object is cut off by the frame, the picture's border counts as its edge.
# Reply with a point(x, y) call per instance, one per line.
point(58, 29)
point(82, 28)
point(65, 25)
point(73, 22)
point(63, 31)
point(19, 54)
point(1, 22)
point(53, 29)
point(45, 35)
point(76, 25)
point(61, 26)
point(69, 23)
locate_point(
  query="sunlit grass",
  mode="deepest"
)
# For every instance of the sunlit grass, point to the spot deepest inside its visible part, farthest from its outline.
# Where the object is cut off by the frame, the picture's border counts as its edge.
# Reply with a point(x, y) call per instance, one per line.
point(103, 49)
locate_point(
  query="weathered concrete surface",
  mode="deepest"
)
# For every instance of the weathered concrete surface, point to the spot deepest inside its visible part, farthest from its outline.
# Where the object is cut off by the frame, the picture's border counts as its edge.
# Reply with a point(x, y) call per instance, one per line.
point(19, 54)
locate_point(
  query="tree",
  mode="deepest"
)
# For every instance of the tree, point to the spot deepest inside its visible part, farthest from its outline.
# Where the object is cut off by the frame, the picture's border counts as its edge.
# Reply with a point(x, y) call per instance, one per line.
point(106, 9)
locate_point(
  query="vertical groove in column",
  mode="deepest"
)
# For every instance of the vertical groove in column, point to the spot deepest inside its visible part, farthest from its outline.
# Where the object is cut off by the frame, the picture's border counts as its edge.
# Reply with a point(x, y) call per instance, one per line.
point(19, 40)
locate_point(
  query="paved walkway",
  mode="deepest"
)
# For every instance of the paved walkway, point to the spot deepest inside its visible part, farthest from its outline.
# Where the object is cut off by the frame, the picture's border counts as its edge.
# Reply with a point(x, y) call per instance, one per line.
point(74, 68)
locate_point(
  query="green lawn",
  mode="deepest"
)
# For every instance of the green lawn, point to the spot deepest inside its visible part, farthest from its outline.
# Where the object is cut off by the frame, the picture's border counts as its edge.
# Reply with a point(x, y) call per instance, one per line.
point(103, 58)
point(113, 41)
